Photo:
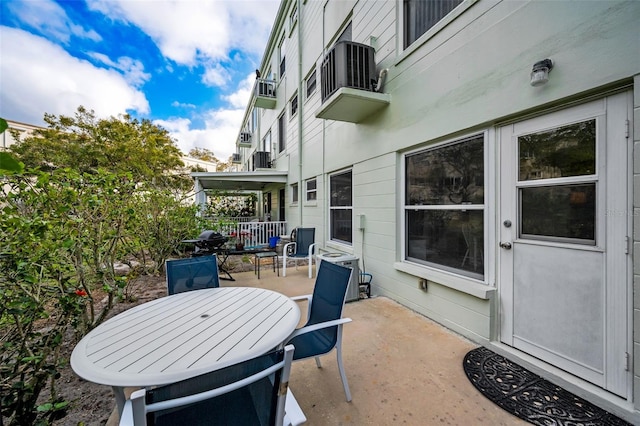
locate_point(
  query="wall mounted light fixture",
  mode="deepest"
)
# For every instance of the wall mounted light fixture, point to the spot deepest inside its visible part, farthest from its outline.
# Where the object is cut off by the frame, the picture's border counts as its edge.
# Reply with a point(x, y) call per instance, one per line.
point(540, 72)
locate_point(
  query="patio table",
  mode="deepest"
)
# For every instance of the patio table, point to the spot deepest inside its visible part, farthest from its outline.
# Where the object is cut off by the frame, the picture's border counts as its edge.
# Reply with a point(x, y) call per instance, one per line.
point(184, 335)
point(223, 254)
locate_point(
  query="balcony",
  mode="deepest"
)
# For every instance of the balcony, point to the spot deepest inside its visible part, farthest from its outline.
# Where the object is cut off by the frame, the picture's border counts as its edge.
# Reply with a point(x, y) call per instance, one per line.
point(265, 94)
point(244, 141)
point(236, 158)
point(261, 160)
point(348, 78)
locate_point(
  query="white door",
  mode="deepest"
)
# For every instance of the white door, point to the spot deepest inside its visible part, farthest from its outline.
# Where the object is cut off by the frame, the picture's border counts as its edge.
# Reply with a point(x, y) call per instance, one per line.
point(563, 234)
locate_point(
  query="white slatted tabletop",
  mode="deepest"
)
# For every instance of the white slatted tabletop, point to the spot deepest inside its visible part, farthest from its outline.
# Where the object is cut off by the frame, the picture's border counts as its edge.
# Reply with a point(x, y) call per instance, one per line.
point(184, 335)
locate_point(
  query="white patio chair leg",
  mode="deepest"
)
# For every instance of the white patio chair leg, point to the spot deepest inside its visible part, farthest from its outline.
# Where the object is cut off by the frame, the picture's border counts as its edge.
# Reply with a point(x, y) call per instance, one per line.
point(284, 263)
point(343, 375)
point(318, 363)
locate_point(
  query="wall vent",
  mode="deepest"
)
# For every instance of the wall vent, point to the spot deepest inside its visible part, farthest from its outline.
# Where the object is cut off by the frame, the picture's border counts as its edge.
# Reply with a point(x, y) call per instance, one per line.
point(348, 64)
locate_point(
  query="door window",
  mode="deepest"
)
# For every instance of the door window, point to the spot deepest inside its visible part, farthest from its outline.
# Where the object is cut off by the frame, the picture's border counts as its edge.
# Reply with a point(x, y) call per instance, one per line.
point(557, 183)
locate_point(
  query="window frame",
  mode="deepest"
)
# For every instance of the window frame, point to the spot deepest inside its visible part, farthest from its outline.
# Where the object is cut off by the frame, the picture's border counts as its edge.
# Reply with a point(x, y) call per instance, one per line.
point(282, 57)
point(341, 208)
point(311, 194)
point(294, 102)
point(282, 132)
point(443, 22)
point(294, 193)
point(314, 73)
point(485, 272)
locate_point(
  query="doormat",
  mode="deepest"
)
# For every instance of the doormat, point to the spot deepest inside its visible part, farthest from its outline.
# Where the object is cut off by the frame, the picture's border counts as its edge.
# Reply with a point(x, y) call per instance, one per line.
point(529, 396)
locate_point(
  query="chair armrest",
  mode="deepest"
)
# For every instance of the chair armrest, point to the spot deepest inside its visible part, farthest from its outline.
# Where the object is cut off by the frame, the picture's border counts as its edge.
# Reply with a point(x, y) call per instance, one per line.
point(127, 416)
point(306, 297)
point(309, 328)
point(293, 414)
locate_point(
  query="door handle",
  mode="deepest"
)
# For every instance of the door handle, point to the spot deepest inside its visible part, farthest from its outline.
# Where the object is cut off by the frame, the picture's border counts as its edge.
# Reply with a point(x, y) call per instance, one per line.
point(506, 246)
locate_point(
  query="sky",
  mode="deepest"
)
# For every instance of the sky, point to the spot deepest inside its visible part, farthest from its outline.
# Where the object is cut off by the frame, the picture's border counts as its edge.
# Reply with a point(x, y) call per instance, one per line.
point(186, 65)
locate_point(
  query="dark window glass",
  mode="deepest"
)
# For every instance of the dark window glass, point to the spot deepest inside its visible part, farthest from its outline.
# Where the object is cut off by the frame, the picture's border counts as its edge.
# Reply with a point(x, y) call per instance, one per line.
point(341, 207)
point(294, 193)
point(294, 105)
point(452, 174)
point(311, 84)
point(420, 15)
point(562, 211)
point(444, 207)
point(282, 130)
point(561, 152)
point(450, 238)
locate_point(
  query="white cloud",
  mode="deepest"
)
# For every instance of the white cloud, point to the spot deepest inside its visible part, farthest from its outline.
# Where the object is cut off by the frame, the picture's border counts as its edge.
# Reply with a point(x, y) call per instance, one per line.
point(49, 19)
point(216, 75)
point(221, 125)
point(132, 69)
point(219, 135)
point(39, 76)
point(241, 96)
point(198, 32)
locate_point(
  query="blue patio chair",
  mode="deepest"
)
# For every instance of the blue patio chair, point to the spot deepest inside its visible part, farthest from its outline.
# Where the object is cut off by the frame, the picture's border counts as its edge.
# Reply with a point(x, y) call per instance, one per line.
point(303, 247)
point(193, 273)
point(253, 392)
point(323, 329)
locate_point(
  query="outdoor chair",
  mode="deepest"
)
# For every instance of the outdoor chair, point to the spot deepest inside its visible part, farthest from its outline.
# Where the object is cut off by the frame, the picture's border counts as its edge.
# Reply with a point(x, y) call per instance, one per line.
point(323, 329)
point(253, 392)
point(193, 273)
point(303, 247)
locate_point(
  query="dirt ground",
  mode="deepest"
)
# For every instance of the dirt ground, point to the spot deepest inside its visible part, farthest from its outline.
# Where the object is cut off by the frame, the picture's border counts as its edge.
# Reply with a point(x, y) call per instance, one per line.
point(91, 404)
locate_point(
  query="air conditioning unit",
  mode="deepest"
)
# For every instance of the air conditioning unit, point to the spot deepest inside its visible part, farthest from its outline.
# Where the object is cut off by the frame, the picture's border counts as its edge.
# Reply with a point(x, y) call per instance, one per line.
point(261, 160)
point(245, 140)
point(236, 159)
point(266, 88)
point(348, 64)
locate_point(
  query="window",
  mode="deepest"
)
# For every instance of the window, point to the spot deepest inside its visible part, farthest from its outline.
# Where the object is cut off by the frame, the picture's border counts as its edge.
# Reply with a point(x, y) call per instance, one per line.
point(282, 132)
point(420, 15)
point(293, 17)
point(266, 142)
point(294, 193)
point(312, 193)
point(444, 207)
point(341, 207)
point(311, 84)
point(294, 105)
point(282, 58)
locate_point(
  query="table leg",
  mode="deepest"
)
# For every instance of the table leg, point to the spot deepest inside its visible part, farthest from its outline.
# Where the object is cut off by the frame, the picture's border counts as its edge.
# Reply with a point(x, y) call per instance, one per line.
point(223, 256)
point(120, 398)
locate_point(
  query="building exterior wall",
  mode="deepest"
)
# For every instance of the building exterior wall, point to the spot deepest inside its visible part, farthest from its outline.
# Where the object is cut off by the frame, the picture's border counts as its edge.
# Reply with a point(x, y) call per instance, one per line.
point(469, 74)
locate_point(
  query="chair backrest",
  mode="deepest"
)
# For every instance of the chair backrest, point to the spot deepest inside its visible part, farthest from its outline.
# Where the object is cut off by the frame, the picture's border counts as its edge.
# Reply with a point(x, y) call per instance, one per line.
point(304, 238)
point(193, 273)
point(329, 294)
point(252, 392)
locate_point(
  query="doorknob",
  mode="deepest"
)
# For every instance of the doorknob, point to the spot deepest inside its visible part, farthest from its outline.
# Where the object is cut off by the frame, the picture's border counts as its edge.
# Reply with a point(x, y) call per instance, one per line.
point(506, 246)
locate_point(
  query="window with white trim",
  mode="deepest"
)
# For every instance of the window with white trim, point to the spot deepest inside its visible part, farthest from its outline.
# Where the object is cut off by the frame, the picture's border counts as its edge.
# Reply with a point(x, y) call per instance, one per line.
point(283, 50)
point(282, 132)
point(312, 192)
point(421, 15)
point(444, 204)
point(310, 84)
point(294, 105)
point(294, 193)
point(341, 207)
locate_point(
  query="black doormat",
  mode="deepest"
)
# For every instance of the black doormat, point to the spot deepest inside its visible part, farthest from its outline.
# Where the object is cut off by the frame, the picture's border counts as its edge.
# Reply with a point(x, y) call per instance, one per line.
point(528, 396)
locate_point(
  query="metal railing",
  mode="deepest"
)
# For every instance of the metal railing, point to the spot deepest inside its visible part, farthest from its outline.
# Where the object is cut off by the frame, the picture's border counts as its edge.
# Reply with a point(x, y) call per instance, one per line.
point(254, 233)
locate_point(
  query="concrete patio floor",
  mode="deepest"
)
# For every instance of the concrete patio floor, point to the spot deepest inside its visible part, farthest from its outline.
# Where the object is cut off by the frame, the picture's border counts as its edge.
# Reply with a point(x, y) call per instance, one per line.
point(402, 368)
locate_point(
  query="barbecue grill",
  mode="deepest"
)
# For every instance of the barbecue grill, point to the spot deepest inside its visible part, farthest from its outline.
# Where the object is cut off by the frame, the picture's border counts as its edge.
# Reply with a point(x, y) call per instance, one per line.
point(207, 242)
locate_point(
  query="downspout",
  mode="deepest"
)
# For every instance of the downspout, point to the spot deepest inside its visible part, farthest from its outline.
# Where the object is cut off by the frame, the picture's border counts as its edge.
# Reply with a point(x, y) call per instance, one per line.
point(300, 110)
